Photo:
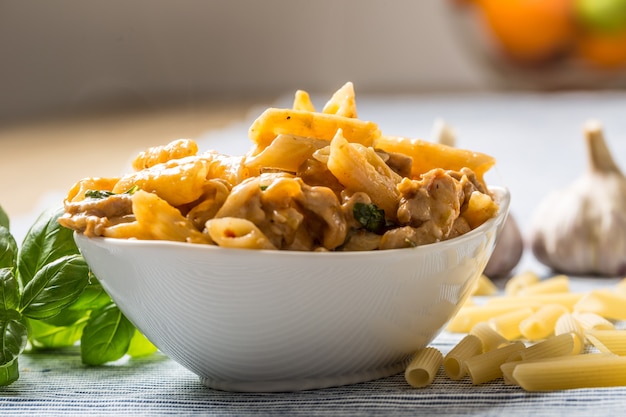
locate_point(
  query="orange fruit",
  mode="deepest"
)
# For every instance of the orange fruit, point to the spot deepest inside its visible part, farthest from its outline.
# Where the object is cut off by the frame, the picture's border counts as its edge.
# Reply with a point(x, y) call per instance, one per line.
point(529, 31)
point(603, 50)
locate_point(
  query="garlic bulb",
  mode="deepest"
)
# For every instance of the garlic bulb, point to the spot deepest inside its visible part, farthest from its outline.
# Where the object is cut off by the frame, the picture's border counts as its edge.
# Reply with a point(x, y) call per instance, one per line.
point(510, 244)
point(508, 250)
point(581, 229)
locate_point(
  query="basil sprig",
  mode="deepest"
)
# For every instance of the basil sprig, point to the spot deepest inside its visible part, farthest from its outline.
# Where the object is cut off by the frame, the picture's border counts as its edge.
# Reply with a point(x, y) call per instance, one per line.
point(49, 299)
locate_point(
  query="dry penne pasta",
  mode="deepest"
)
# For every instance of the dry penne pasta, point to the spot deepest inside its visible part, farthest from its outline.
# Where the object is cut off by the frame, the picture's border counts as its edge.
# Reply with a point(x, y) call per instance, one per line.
point(540, 324)
point(567, 300)
point(468, 316)
point(486, 366)
point(567, 324)
point(561, 345)
point(592, 321)
point(484, 286)
point(454, 361)
point(557, 284)
point(520, 281)
point(579, 371)
point(508, 324)
point(608, 341)
point(604, 302)
point(423, 368)
point(489, 337)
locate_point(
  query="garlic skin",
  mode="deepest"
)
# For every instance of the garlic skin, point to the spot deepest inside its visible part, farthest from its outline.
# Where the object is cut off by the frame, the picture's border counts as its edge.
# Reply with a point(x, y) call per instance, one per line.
point(508, 250)
point(581, 229)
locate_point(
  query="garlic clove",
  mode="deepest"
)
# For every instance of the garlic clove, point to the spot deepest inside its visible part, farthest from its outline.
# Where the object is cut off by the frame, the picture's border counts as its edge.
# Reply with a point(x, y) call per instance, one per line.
point(581, 229)
point(507, 252)
point(510, 244)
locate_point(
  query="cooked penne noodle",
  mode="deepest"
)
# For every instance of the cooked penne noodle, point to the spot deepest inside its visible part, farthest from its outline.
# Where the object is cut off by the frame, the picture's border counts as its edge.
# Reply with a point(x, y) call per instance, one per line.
point(557, 284)
point(508, 324)
point(486, 366)
point(176, 149)
point(608, 341)
point(520, 281)
point(298, 148)
point(342, 102)
point(302, 101)
point(454, 361)
point(606, 303)
point(423, 368)
point(428, 155)
point(541, 323)
point(233, 232)
point(361, 169)
point(578, 371)
point(489, 337)
point(157, 220)
point(273, 122)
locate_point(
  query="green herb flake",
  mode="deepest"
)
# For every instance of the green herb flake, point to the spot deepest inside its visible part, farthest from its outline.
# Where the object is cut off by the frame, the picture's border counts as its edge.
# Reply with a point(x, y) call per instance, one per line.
point(370, 217)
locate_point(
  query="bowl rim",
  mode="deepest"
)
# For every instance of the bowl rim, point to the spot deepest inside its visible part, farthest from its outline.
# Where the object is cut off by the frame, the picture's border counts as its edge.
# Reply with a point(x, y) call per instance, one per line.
point(503, 197)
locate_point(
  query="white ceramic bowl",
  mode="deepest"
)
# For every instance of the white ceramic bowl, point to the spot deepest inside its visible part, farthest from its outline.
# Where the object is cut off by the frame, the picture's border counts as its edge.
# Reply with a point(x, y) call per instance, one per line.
point(257, 320)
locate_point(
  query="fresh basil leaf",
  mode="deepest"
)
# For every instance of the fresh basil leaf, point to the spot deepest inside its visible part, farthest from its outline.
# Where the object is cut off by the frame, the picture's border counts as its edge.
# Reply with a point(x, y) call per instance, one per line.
point(45, 242)
point(370, 217)
point(45, 335)
point(54, 287)
point(8, 248)
point(106, 337)
point(140, 346)
point(9, 373)
point(65, 318)
point(9, 291)
point(4, 219)
point(93, 297)
point(13, 334)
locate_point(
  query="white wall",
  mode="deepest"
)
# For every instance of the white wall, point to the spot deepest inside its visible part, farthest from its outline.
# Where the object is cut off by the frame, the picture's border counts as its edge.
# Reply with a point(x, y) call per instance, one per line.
point(70, 54)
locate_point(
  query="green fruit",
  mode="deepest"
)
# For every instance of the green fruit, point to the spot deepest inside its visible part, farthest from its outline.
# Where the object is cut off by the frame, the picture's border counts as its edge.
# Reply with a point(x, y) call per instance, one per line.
point(601, 15)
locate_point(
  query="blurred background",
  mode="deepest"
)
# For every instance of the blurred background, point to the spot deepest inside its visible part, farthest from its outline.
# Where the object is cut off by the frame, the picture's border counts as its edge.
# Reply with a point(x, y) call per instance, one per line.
point(85, 83)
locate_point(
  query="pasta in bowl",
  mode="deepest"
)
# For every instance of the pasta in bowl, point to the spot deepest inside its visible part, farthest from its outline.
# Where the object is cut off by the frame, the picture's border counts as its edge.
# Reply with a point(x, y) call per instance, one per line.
point(326, 255)
point(271, 320)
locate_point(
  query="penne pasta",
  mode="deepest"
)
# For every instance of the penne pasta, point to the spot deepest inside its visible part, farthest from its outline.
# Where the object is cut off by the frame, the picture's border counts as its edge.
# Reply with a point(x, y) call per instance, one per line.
point(489, 337)
point(484, 286)
point(562, 345)
point(508, 324)
point(592, 321)
point(423, 368)
point(541, 323)
point(454, 361)
point(567, 300)
point(557, 284)
point(342, 102)
point(486, 366)
point(579, 371)
point(567, 324)
point(361, 169)
point(233, 232)
point(608, 341)
point(469, 316)
point(606, 303)
point(520, 281)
